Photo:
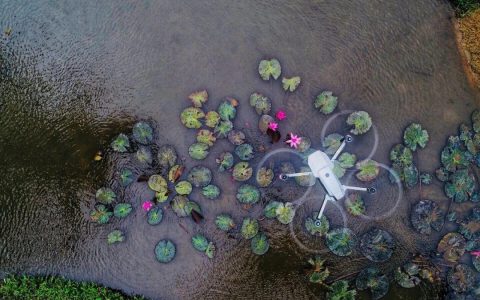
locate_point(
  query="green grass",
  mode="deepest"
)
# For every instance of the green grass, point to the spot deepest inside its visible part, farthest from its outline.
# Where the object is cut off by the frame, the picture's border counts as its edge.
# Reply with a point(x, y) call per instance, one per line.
point(464, 7)
point(53, 288)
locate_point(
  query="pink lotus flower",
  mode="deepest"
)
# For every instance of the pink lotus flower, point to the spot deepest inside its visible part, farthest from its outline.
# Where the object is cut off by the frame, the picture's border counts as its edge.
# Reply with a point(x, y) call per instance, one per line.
point(147, 205)
point(294, 140)
point(475, 253)
point(273, 126)
point(280, 115)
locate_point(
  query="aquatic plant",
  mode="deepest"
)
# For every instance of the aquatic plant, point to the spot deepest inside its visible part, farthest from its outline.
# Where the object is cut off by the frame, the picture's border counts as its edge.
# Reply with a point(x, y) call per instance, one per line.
point(175, 173)
point(454, 158)
point(105, 195)
point(270, 210)
point(242, 171)
point(183, 187)
point(157, 183)
point(259, 244)
point(368, 170)
point(408, 175)
point(101, 214)
point(476, 260)
point(162, 196)
point(210, 251)
point(285, 213)
point(198, 98)
point(115, 236)
point(476, 120)
point(244, 151)
point(319, 272)
point(305, 180)
point(414, 135)
point(407, 276)
point(377, 245)
point(304, 144)
point(249, 228)
point(167, 156)
point(341, 241)
point(293, 140)
point(198, 151)
point(280, 115)
point(269, 68)
point(223, 128)
point(205, 136)
point(144, 155)
point(155, 216)
point(339, 291)
point(355, 205)
point(191, 117)
point(248, 194)
point(460, 186)
point(125, 177)
point(425, 178)
point(224, 222)
point(121, 210)
point(199, 176)
point(372, 279)
point(212, 118)
point(261, 103)
point(165, 251)
point(264, 176)
point(401, 155)
point(442, 174)
point(147, 205)
point(461, 278)
point(331, 143)
point(361, 122)
point(427, 215)
point(319, 229)
point(225, 161)
point(273, 126)
point(183, 207)
point(325, 102)
point(199, 242)
point(452, 246)
point(291, 84)
point(236, 137)
point(227, 111)
point(338, 170)
point(347, 160)
point(142, 133)
point(120, 143)
point(211, 192)
point(263, 123)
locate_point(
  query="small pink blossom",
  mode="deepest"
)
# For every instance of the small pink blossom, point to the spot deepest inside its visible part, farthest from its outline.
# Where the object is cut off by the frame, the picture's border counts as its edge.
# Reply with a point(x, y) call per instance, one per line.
point(475, 253)
point(294, 140)
point(273, 126)
point(280, 115)
point(147, 205)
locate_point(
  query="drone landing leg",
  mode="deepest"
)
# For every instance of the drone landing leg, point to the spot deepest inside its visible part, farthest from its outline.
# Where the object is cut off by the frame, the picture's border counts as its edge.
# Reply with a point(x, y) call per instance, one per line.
point(327, 198)
point(355, 188)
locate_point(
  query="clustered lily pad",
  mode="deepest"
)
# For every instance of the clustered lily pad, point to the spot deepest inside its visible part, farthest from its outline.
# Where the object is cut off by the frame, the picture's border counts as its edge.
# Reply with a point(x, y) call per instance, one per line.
point(223, 128)
point(355, 205)
point(460, 186)
point(105, 195)
point(205, 136)
point(341, 241)
point(325, 102)
point(361, 122)
point(331, 143)
point(319, 272)
point(426, 215)
point(377, 245)
point(414, 135)
point(225, 161)
point(270, 210)
point(339, 290)
point(407, 276)
point(212, 118)
point(224, 222)
point(227, 111)
point(261, 103)
point(101, 214)
point(201, 244)
point(403, 166)
point(373, 280)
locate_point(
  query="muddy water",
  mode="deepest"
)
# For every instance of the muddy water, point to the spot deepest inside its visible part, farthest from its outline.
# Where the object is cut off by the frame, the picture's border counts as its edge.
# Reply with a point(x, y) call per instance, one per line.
point(76, 73)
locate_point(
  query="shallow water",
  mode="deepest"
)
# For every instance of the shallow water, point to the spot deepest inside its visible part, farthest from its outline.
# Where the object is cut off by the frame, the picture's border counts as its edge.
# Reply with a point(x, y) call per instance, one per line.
point(75, 74)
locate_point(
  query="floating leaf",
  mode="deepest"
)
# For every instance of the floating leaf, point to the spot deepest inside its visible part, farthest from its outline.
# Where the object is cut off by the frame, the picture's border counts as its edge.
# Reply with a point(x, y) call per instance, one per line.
point(263, 123)
point(270, 210)
point(100, 214)
point(155, 216)
point(157, 183)
point(377, 245)
point(205, 136)
point(476, 262)
point(427, 215)
point(460, 187)
point(223, 128)
point(212, 118)
point(470, 228)
point(361, 122)
point(244, 151)
point(198, 151)
point(372, 279)
point(142, 133)
point(210, 251)
point(452, 246)
point(165, 251)
point(347, 160)
point(338, 171)
point(461, 278)
point(225, 161)
point(126, 177)
point(325, 102)
point(162, 196)
point(122, 210)
point(183, 187)
point(319, 273)
point(242, 171)
point(401, 155)
point(116, 236)
point(183, 207)
point(414, 135)
point(199, 176)
point(355, 205)
point(406, 276)
point(259, 244)
point(167, 156)
point(198, 98)
point(368, 170)
point(249, 228)
point(248, 194)
point(305, 180)
point(425, 178)
point(236, 137)
point(269, 68)
point(120, 143)
point(476, 120)
point(105, 195)
point(339, 291)
point(442, 174)
point(315, 228)
point(211, 192)
point(453, 158)
point(332, 143)
point(227, 111)
point(199, 242)
point(191, 117)
point(264, 176)
point(290, 84)
point(261, 103)
point(285, 213)
point(144, 155)
point(341, 241)
point(224, 222)
point(175, 173)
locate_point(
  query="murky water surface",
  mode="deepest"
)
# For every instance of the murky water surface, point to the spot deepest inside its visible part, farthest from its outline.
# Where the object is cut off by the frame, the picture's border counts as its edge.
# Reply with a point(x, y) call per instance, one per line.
point(76, 73)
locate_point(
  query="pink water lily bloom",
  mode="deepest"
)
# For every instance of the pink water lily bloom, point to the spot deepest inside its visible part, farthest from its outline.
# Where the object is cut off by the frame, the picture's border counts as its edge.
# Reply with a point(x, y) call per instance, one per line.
point(280, 115)
point(273, 126)
point(294, 140)
point(147, 205)
point(475, 253)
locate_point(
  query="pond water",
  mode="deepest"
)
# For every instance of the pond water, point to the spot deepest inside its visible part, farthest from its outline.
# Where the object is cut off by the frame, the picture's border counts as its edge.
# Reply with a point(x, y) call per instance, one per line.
point(74, 74)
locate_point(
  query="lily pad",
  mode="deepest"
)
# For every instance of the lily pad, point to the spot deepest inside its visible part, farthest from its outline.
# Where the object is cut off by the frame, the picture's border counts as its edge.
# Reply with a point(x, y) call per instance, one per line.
point(407, 276)
point(122, 210)
point(210, 251)
point(167, 156)
point(198, 151)
point(347, 160)
point(368, 170)
point(199, 176)
point(155, 216)
point(454, 158)
point(157, 183)
point(315, 228)
point(126, 177)
point(285, 212)
point(305, 180)
point(269, 68)
point(372, 279)
point(199, 242)
point(120, 143)
point(227, 111)
point(264, 176)
point(165, 251)
point(242, 171)
point(105, 195)
point(320, 272)
point(470, 228)
point(175, 173)
point(355, 205)
point(460, 187)
point(341, 241)
point(224, 222)
point(259, 244)
point(426, 215)
point(144, 155)
point(461, 278)
point(304, 145)
point(331, 143)
point(225, 161)
point(236, 137)
point(198, 98)
point(401, 155)
point(101, 214)
point(476, 262)
point(191, 117)
point(325, 102)
point(116, 236)
point(205, 136)
point(261, 103)
point(244, 151)
point(183, 187)
point(414, 135)
point(377, 245)
point(270, 210)
point(338, 170)
point(249, 228)
point(452, 246)
point(263, 123)
point(183, 207)
point(361, 122)
point(212, 118)
point(442, 174)
point(211, 192)
point(339, 290)
point(425, 178)
point(248, 194)
point(142, 133)
point(162, 196)
point(476, 120)
point(223, 128)
point(291, 84)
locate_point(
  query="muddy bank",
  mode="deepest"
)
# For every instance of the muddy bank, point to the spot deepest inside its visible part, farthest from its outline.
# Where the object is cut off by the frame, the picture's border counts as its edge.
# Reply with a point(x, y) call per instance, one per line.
point(467, 31)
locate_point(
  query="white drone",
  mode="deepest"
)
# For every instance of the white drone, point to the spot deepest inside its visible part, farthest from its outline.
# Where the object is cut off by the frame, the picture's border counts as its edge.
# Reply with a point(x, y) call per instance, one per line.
point(322, 168)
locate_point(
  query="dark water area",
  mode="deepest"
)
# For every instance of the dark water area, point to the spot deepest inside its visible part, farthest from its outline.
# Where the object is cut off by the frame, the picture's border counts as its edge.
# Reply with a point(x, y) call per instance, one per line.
point(74, 74)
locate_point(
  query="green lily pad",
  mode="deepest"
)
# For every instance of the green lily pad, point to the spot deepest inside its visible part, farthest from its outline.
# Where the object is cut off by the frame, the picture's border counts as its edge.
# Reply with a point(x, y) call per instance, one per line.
point(205, 136)
point(236, 137)
point(476, 120)
point(454, 158)
point(368, 170)
point(227, 111)
point(175, 173)
point(261, 103)
point(198, 98)
point(165, 251)
point(304, 145)
point(199, 242)
point(142, 133)
point(225, 161)
point(101, 214)
point(242, 171)
point(361, 122)
point(442, 174)
point(460, 187)
point(347, 160)
point(144, 155)
point(331, 143)
point(377, 245)
point(211, 192)
point(305, 180)
point(244, 151)
point(212, 118)
point(339, 291)
point(183, 207)
point(341, 241)
point(426, 215)
point(249, 228)
point(183, 187)
point(198, 151)
point(157, 183)
point(401, 155)
point(210, 251)
point(452, 246)
point(248, 194)
point(224, 222)
point(320, 272)
point(264, 176)
point(199, 176)
point(155, 216)
point(162, 196)
point(105, 195)
point(126, 177)
point(414, 135)
point(116, 236)
point(291, 84)
point(269, 68)
point(461, 278)
point(263, 123)
point(355, 205)
point(315, 229)
point(223, 128)
point(407, 276)
point(425, 178)
point(167, 156)
point(270, 210)
point(259, 244)
point(120, 143)
point(338, 171)
point(285, 213)
point(373, 280)
point(122, 210)
point(325, 102)
point(191, 117)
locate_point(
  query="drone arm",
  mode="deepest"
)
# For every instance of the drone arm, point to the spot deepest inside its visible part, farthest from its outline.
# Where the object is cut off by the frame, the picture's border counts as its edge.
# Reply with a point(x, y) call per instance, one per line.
point(340, 149)
point(327, 198)
point(298, 174)
point(355, 188)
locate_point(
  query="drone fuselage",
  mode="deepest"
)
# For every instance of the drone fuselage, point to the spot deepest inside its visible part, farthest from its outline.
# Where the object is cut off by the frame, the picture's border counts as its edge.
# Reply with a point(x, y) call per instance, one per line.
point(322, 168)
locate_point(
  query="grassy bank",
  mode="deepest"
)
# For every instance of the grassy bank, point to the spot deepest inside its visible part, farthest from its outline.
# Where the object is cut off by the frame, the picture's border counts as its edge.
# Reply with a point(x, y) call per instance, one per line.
point(53, 288)
point(468, 35)
point(465, 7)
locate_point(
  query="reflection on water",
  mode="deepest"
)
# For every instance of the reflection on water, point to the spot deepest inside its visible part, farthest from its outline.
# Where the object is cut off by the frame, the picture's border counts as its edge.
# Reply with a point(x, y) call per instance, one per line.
point(72, 72)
